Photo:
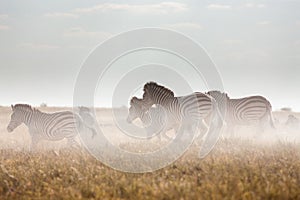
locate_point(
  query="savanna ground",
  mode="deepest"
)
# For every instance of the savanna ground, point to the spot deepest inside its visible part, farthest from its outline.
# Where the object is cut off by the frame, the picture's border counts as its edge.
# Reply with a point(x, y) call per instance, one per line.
point(237, 168)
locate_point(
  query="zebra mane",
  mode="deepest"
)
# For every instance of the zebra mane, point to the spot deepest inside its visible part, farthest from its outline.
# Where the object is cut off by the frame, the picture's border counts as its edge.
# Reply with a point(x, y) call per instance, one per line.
point(151, 86)
point(217, 94)
point(26, 107)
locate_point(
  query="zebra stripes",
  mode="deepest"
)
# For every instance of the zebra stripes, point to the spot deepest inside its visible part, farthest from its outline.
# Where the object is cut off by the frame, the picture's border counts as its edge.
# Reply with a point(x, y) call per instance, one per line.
point(252, 110)
point(44, 126)
point(155, 120)
point(189, 110)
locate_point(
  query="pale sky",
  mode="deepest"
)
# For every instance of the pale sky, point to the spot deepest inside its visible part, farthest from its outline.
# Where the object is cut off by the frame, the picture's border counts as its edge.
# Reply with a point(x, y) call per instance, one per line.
point(254, 44)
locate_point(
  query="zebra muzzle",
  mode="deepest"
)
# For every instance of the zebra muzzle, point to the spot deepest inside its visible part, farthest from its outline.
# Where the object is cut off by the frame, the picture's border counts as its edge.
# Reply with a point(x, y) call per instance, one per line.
point(9, 129)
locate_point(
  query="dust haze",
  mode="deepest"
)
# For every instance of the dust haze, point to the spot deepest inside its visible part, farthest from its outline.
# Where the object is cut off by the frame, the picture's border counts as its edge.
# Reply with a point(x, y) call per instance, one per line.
point(286, 130)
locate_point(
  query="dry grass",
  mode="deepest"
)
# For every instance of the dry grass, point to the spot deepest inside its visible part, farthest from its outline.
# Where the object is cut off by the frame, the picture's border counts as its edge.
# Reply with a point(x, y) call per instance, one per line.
point(236, 169)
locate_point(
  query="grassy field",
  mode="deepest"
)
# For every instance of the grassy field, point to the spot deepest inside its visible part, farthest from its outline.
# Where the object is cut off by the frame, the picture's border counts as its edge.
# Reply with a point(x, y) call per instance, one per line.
point(236, 169)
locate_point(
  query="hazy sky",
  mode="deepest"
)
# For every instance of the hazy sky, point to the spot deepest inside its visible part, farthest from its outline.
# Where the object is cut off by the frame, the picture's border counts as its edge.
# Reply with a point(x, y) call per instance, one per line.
point(255, 44)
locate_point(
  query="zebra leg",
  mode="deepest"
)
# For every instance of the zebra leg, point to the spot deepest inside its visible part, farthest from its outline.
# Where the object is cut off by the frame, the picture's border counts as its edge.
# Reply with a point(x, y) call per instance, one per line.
point(213, 132)
point(34, 141)
point(176, 128)
point(203, 128)
point(163, 135)
point(193, 129)
point(166, 136)
point(188, 127)
point(267, 119)
point(83, 126)
point(261, 127)
point(180, 132)
point(230, 130)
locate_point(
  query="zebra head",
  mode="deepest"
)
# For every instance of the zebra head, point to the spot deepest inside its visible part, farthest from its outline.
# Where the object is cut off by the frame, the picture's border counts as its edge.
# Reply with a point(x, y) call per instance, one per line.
point(156, 94)
point(18, 116)
point(83, 109)
point(219, 96)
point(137, 109)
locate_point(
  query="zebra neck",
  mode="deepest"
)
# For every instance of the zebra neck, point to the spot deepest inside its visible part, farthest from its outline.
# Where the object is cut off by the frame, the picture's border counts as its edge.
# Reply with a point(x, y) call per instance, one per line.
point(146, 119)
point(28, 117)
point(165, 102)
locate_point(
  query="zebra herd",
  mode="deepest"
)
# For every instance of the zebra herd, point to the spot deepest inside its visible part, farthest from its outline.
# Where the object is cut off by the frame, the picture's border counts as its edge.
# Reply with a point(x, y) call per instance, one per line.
point(159, 110)
point(213, 107)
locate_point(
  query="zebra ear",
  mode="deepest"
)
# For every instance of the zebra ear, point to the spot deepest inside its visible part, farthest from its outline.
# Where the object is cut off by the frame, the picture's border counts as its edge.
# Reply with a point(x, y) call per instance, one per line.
point(133, 100)
point(12, 107)
point(146, 86)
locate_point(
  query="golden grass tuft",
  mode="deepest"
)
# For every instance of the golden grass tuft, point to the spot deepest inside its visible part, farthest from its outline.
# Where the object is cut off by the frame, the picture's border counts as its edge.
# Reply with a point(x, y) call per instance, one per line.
point(234, 170)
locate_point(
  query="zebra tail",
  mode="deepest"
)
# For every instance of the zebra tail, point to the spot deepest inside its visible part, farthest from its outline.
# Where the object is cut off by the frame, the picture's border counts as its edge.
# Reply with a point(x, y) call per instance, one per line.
point(79, 122)
point(81, 125)
point(271, 120)
point(217, 116)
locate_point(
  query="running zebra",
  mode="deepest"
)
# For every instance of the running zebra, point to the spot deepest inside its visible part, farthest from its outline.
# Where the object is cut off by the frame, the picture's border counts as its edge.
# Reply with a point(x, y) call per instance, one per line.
point(44, 126)
point(188, 111)
point(88, 119)
point(155, 120)
point(252, 110)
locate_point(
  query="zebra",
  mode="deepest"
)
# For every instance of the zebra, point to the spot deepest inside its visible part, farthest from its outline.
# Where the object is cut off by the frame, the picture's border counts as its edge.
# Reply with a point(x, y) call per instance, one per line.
point(252, 110)
point(188, 111)
point(88, 119)
point(292, 123)
point(155, 119)
point(45, 126)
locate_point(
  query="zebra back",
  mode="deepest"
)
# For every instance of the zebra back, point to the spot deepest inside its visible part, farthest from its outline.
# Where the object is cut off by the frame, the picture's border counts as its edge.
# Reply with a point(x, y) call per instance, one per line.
point(194, 106)
point(54, 126)
point(247, 110)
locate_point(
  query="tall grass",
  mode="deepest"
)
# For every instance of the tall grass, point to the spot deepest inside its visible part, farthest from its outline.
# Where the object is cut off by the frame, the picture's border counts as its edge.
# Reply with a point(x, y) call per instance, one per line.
point(236, 169)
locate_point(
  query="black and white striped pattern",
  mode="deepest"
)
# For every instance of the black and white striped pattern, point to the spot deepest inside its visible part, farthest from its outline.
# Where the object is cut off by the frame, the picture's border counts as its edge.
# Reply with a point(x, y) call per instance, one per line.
point(252, 110)
point(155, 120)
point(189, 110)
point(44, 126)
